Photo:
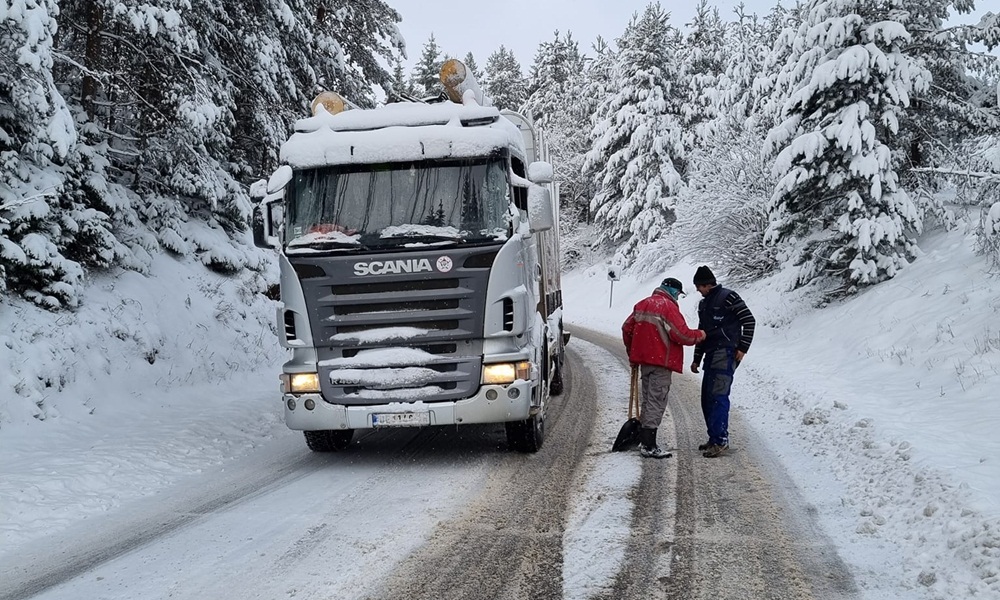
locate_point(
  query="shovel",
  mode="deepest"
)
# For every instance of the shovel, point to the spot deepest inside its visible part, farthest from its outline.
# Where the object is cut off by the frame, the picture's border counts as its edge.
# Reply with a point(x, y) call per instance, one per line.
point(628, 436)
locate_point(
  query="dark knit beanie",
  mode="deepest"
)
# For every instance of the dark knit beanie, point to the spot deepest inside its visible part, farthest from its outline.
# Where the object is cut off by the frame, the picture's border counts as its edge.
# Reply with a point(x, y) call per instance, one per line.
point(704, 276)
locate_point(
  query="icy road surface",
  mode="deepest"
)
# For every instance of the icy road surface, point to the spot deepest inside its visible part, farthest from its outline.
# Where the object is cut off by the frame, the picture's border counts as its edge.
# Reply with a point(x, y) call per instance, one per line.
point(451, 513)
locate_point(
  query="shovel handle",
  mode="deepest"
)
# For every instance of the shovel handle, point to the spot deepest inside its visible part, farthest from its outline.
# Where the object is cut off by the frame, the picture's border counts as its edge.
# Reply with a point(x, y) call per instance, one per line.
point(633, 396)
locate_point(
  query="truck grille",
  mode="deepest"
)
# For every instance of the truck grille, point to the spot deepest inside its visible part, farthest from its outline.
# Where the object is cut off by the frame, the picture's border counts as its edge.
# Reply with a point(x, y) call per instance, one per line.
point(398, 337)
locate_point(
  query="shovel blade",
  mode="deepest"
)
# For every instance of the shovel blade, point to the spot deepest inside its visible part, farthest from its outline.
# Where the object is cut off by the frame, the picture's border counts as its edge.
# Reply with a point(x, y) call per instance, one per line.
point(628, 436)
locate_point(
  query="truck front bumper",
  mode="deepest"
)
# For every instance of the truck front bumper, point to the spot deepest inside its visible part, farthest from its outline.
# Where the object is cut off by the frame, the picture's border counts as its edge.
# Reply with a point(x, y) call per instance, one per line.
point(511, 402)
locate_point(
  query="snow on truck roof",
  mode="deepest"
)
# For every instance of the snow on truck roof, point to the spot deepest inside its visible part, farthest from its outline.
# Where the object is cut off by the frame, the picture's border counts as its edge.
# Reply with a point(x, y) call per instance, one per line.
point(400, 132)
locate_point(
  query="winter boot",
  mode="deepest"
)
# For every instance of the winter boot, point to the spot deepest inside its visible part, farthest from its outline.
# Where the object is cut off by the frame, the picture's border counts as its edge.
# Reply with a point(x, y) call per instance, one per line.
point(648, 448)
point(715, 450)
point(647, 437)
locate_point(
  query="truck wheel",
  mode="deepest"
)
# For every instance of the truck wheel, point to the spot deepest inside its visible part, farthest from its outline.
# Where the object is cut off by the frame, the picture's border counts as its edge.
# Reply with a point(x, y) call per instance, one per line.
point(526, 436)
point(556, 385)
point(328, 441)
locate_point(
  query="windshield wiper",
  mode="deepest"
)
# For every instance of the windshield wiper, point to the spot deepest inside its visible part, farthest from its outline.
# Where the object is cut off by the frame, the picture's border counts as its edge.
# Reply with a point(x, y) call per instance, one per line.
point(485, 239)
point(326, 245)
point(424, 239)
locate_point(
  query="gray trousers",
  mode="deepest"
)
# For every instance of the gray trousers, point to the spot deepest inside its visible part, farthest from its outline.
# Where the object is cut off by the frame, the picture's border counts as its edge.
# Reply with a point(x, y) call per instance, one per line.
point(655, 387)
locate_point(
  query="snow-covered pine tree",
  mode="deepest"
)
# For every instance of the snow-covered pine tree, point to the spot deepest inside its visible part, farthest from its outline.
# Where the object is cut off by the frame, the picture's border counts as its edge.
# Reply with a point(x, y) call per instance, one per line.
point(987, 32)
point(599, 73)
point(269, 76)
point(934, 126)
point(598, 85)
point(175, 106)
point(982, 148)
point(575, 218)
point(470, 63)
point(638, 146)
point(427, 71)
point(158, 86)
point(941, 132)
point(774, 83)
point(400, 82)
point(556, 72)
point(702, 63)
point(36, 133)
point(986, 156)
point(351, 43)
point(50, 228)
point(838, 204)
point(733, 93)
point(558, 104)
point(504, 82)
point(939, 118)
point(721, 214)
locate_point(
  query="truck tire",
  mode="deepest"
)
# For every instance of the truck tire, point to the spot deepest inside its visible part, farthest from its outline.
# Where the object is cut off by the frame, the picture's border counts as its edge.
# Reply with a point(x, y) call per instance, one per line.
point(526, 436)
point(556, 385)
point(328, 441)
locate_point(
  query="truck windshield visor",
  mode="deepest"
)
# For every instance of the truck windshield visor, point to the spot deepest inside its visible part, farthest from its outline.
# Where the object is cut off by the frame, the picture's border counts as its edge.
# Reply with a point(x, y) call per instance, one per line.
point(435, 202)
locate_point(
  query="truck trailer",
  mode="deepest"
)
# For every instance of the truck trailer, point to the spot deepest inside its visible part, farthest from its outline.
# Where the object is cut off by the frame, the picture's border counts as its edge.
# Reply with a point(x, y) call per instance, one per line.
point(418, 245)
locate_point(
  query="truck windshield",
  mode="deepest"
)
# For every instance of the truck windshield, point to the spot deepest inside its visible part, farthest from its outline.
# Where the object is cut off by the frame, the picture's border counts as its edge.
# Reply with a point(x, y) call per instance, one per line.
point(395, 204)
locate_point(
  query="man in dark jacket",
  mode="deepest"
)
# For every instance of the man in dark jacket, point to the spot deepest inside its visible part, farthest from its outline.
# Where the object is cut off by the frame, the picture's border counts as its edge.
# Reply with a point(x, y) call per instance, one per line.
point(654, 336)
point(729, 326)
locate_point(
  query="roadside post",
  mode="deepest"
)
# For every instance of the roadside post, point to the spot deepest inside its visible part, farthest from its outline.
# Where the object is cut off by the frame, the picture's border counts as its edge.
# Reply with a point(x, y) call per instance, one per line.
point(612, 277)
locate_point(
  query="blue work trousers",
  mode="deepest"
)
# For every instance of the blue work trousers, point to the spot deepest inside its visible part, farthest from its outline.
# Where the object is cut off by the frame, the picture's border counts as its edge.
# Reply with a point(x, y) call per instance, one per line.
point(719, 366)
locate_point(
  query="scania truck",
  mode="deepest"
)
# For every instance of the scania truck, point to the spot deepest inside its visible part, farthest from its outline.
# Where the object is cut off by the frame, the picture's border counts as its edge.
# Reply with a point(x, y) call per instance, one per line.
point(418, 247)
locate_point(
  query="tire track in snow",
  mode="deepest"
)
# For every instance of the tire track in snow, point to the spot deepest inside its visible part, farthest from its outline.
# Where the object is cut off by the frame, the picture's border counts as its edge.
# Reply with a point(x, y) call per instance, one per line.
point(740, 527)
point(598, 529)
point(508, 543)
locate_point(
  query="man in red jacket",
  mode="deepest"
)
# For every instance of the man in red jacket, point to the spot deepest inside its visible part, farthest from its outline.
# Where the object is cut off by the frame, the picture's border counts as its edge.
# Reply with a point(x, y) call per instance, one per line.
point(654, 336)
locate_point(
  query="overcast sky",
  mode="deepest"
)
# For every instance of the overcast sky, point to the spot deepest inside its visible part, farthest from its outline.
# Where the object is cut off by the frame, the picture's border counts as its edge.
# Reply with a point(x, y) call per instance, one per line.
point(460, 26)
point(520, 25)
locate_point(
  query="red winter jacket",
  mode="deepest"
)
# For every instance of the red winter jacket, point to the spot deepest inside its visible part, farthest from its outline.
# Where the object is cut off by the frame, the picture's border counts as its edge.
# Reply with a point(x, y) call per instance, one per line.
point(655, 333)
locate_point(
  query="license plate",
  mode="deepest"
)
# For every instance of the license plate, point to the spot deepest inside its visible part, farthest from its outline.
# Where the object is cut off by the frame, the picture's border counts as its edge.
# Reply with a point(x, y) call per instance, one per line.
point(405, 419)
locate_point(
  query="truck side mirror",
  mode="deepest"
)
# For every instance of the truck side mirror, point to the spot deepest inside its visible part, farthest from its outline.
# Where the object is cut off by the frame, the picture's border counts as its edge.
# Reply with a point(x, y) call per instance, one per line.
point(258, 191)
point(257, 225)
point(268, 214)
point(540, 215)
point(267, 221)
point(540, 172)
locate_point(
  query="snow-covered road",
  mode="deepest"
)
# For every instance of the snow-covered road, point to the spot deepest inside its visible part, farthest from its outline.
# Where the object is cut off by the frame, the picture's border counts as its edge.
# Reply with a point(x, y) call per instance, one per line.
point(274, 523)
point(703, 529)
point(451, 513)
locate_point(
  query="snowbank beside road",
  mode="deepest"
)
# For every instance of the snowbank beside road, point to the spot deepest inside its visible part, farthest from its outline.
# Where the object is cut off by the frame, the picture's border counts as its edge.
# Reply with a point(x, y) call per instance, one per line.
point(151, 379)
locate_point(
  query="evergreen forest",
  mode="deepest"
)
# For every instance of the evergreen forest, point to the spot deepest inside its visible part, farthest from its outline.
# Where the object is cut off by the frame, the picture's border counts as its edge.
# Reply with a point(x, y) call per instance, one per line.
point(824, 137)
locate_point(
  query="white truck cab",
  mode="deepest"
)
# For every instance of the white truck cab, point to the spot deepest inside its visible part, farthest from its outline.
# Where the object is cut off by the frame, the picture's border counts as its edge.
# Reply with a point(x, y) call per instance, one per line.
point(419, 257)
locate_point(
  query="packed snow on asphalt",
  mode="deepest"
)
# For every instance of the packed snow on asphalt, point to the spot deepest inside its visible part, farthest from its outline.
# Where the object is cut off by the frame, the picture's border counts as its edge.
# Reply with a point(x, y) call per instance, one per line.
point(139, 419)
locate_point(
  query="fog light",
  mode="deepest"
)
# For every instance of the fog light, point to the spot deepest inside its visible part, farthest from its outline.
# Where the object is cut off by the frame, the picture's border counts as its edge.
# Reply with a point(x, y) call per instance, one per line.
point(513, 392)
point(291, 404)
point(310, 404)
point(491, 394)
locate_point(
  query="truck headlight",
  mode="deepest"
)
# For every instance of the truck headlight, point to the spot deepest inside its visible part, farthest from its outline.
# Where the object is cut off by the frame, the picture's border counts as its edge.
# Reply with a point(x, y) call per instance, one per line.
point(301, 383)
point(501, 373)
